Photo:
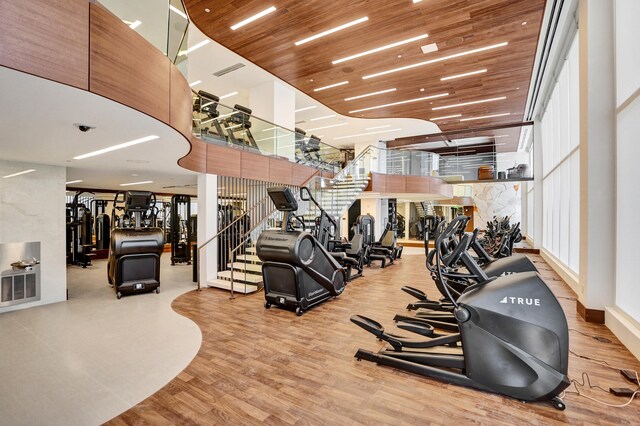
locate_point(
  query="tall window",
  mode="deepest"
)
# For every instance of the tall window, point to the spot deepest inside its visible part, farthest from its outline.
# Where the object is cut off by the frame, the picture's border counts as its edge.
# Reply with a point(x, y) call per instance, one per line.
point(561, 165)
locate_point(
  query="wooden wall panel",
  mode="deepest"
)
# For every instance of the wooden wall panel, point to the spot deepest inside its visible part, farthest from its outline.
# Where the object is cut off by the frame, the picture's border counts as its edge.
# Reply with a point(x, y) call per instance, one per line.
point(417, 184)
point(378, 183)
point(49, 39)
point(196, 159)
point(255, 166)
point(280, 171)
point(396, 183)
point(438, 186)
point(127, 68)
point(180, 105)
point(223, 161)
point(301, 174)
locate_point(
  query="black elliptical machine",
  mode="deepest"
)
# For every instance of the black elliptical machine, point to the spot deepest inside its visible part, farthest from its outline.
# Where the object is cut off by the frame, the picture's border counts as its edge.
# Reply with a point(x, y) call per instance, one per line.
point(298, 272)
point(513, 334)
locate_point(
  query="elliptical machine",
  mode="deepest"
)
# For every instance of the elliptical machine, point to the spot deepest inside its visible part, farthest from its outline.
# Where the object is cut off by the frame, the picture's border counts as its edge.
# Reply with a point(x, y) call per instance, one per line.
point(513, 334)
point(298, 272)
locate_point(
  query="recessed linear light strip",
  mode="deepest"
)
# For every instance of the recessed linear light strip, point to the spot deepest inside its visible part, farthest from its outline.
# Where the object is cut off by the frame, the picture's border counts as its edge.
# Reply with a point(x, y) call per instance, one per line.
point(115, 147)
point(401, 102)
point(367, 134)
point(228, 95)
point(469, 103)
point(194, 47)
point(381, 48)
point(327, 127)
point(485, 116)
point(322, 118)
point(331, 31)
point(73, 181)
point(432, 61)
point(451, 77)
point(24, 172)
point(306, 109)
point(253, 18)
point(370, 94)
point(445, 117)
point(342, 83)
point(136, 183)
point(195, 83)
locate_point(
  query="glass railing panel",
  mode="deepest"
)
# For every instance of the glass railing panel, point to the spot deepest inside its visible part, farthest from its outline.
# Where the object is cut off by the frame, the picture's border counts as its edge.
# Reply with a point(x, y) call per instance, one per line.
point(163, 23)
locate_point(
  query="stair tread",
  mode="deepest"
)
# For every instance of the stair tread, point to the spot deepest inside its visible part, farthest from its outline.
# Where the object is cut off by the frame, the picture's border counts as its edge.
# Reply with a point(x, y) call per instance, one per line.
point(237, 287)
point(241, 277)
point(242, 266)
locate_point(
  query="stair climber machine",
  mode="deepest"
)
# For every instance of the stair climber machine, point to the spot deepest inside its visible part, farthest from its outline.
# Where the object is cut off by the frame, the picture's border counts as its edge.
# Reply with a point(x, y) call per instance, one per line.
point(512, 336)
point(298, 272)
point(79, 232)
point(136, 244)
point(326, 229)
point(182, 237)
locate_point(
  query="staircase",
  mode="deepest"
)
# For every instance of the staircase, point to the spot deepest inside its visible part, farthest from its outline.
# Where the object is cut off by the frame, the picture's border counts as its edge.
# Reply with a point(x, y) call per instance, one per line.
point(335, 196)
point(247, 274)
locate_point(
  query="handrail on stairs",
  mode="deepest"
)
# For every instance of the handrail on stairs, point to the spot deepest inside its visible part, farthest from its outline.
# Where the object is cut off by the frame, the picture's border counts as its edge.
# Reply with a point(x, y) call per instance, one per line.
point(244, 215)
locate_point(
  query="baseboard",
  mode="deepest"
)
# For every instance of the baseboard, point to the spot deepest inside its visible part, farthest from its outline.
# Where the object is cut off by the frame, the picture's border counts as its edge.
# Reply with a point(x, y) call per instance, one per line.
point(625, 328)
point(595, 316)
point(570, 277)
point(526, 250)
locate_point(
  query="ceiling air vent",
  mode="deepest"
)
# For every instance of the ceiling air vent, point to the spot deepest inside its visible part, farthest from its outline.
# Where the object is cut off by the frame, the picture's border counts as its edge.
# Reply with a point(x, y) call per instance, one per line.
point(227, 70)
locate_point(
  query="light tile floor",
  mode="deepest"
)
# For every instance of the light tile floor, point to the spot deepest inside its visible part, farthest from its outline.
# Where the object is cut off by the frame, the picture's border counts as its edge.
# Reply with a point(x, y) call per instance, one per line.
point(84, 361)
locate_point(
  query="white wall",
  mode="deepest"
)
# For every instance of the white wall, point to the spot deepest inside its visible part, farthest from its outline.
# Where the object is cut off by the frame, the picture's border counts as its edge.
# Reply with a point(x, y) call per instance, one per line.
point(32, 208)
point(627, 35)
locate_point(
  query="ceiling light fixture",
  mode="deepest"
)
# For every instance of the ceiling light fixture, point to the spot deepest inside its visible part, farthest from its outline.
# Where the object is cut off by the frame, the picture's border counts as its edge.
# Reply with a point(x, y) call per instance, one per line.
point(445, 117)
point(194, 47)
point(24, 172)
point(305, 109)
point(485, 116)
point(228, 95)
point(370, 94)
point(342, 83)
point(469, 103)
point(417, 1)
point(381, 48)
point(440, 95)
point(195, 83)
point(116, 147)
point(136, 183)
point(451, 77)
point(177, 11)
point(444, 58)
point(331, 31)
point(367, 134)
point(73, 181)
point(327, 127)
point(322, 118)
point(253, 18)
point(378, 127)
point(135, 24)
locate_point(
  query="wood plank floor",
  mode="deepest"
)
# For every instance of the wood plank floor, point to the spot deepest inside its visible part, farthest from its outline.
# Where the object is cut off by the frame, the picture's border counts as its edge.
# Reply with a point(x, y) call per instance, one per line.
point(269, 366)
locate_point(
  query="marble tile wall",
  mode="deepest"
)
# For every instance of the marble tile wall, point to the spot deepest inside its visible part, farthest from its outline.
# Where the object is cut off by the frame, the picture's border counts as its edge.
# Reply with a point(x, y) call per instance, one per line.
point(497, 199)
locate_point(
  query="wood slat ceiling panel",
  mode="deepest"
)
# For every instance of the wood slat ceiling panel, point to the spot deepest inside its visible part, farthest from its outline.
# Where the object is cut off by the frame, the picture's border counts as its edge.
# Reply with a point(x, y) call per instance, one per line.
point(455, 26)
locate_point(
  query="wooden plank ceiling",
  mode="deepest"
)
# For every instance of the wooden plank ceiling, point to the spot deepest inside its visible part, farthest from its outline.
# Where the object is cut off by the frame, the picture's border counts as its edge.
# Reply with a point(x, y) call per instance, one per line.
point(455, 26)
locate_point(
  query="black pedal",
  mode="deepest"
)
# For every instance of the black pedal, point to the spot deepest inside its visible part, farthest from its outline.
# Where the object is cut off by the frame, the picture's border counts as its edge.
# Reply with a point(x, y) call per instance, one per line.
point(622, 391)
point(630, 375)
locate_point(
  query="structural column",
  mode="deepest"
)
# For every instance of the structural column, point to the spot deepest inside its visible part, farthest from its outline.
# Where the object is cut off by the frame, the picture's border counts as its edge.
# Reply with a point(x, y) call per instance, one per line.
point(597, 158)
point(275, 102)
point(207, 226)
